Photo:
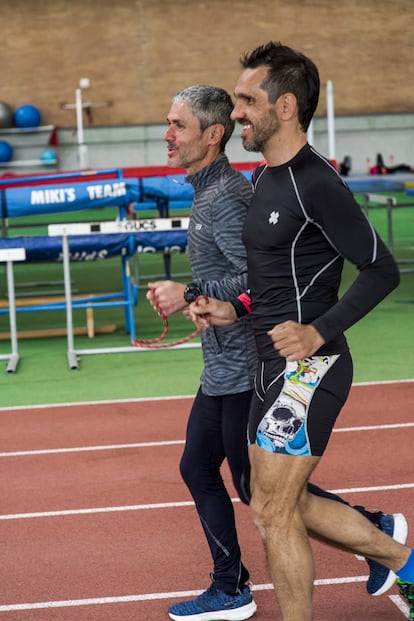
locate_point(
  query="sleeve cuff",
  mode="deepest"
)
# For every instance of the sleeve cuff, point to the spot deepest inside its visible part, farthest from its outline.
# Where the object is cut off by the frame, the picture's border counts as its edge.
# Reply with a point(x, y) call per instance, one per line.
point(241, 305)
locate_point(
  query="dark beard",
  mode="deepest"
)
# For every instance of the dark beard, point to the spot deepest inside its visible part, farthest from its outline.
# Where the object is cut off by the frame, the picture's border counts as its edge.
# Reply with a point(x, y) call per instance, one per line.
point(264, 129)
point(254, 146)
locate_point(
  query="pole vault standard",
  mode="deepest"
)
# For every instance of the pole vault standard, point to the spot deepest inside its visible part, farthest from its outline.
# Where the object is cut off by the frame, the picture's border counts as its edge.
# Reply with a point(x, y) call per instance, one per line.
point(79, 106)
point(95, 228)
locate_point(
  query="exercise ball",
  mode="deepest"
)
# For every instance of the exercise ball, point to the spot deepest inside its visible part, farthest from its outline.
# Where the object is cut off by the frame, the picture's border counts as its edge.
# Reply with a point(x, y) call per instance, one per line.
point(48, 157)
point(6, 115)
point(27, 116)
point(6, 151)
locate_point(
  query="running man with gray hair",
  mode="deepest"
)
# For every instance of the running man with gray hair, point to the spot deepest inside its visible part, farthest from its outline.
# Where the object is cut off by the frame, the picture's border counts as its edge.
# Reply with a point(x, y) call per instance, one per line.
point(199, 127)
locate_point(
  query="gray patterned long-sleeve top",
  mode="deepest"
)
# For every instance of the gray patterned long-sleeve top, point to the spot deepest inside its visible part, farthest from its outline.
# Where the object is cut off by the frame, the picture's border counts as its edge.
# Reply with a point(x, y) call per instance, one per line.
point(218, 262)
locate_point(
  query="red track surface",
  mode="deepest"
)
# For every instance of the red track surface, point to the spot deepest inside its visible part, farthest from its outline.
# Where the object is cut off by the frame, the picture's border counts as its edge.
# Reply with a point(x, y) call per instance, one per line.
point(140, 547)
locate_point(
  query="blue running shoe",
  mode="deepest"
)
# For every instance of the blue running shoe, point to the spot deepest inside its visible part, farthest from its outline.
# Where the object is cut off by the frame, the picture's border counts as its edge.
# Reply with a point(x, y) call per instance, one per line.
point(380, 577)
point(215, 605)
point(407, 591)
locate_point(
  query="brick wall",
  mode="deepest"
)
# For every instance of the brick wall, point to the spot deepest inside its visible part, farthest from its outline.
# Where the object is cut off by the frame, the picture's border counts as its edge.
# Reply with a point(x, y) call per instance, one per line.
point(138, 53)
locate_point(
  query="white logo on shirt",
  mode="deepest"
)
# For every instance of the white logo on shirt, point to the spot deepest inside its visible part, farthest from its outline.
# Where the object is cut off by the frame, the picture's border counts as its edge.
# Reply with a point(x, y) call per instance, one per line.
point(274, 217)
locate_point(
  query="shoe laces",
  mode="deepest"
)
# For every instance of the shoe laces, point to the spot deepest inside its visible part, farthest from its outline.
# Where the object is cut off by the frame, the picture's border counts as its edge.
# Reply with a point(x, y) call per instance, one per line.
point(210, 592)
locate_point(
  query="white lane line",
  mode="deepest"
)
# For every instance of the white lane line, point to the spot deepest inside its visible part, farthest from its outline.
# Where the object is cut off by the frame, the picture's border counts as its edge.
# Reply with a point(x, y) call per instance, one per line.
point(80, 449)
point(174, 505)
point(374, 427)
point(374, 488)
point(400, 603)
point(45, 514)
point(94, 601)
point(116, 447)
point(71, 404)
point(166, 398)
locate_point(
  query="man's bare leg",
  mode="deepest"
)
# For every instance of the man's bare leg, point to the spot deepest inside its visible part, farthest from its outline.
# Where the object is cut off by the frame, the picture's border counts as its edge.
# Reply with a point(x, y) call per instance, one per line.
point(343, 527)
point(277, 483)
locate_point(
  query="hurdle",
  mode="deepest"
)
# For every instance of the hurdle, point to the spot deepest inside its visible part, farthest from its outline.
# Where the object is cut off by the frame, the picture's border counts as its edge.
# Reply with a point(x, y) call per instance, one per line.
point(8, 256)
point(135, 228)
point(389, 203)
point(384, 201)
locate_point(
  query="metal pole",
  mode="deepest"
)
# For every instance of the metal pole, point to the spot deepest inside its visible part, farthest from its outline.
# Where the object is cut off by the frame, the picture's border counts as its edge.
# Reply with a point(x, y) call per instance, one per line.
point(82, 148)
point(14, 358)
point(330, 120)
point(72, 359)
point(12, 306)
point(310, 135)
point(8, 256)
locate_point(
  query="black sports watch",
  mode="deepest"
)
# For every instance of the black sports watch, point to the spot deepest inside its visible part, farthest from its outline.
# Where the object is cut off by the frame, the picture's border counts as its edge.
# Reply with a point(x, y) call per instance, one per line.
point(191, 293)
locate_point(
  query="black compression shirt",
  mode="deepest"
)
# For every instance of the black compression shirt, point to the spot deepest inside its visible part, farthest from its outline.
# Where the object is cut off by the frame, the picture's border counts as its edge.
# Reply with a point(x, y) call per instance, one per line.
point(303, 221)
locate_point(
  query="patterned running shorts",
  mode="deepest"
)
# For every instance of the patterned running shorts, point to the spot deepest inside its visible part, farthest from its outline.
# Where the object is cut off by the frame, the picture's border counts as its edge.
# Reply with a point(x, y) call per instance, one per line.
point(295, 404)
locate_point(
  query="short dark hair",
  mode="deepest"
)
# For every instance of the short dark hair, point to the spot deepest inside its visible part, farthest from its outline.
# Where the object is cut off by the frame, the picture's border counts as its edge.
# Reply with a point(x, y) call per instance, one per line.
point(289, 72)
point(210, 104)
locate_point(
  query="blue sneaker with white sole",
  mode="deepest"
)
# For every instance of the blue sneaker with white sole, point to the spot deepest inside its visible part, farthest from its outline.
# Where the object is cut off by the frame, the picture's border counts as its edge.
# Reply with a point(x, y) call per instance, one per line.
point(215, 605)
point(380, 577)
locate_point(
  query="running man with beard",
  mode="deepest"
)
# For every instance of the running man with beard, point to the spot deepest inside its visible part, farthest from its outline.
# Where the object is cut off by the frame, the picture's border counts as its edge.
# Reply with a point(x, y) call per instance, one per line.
point(199, 127)
point(302, 223)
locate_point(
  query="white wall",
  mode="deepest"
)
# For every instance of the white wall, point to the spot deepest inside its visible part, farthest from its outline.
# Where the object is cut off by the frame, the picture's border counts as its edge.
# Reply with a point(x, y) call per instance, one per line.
point(361, 137)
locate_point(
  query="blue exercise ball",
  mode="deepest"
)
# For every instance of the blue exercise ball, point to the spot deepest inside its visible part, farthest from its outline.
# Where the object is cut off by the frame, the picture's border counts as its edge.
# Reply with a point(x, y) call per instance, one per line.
point(27, 115)
point(6, 151)
point(48, 157)
point(6, 115)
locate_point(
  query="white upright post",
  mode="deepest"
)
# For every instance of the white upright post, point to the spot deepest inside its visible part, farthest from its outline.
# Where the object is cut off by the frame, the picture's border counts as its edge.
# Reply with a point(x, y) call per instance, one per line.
point(82, 147)
point(330, 120)
point(12, 307)
point(310, 136)
point(9, 255)
point(72, 358)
